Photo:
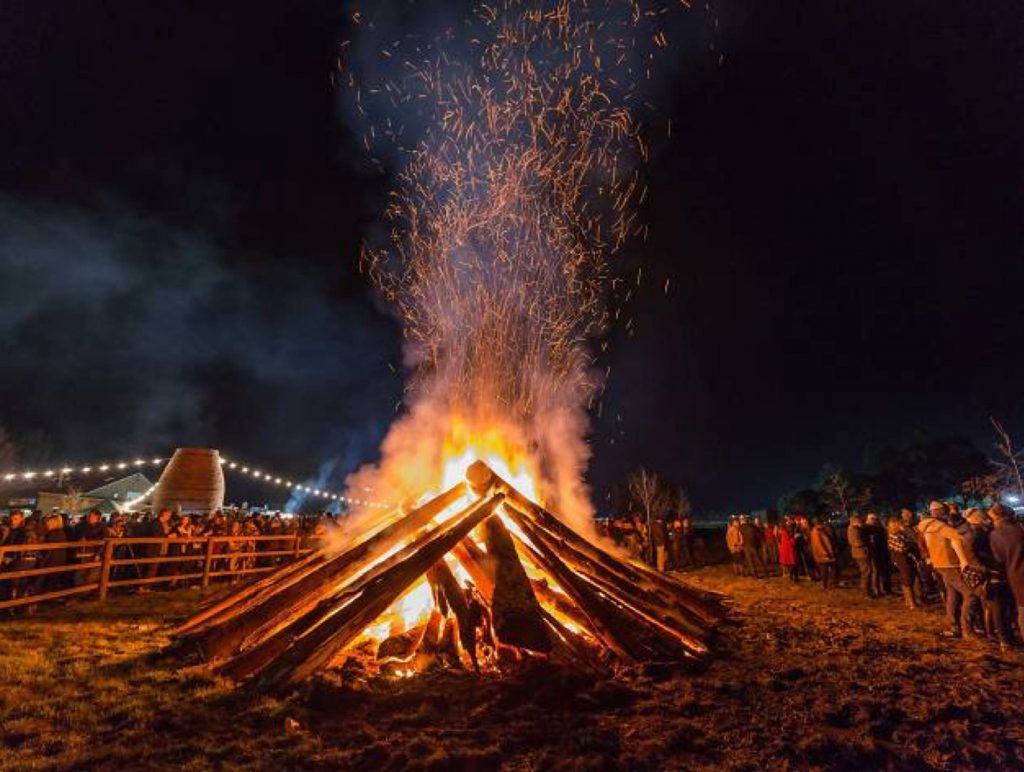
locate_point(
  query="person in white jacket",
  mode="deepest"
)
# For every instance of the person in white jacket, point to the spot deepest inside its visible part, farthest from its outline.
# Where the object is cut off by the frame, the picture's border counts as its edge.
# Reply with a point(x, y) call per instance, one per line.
point(948, 557)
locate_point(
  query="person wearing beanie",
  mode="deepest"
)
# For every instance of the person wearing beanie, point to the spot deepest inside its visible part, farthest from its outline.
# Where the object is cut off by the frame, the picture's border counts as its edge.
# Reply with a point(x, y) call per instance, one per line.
point(948, 556)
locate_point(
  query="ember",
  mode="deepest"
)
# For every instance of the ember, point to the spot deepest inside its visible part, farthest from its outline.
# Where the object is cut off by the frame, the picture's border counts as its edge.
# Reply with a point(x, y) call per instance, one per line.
point(478, 576)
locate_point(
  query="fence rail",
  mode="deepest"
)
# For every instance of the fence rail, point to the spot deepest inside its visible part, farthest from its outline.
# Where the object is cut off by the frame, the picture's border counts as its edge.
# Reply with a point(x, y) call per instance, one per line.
point(112, 557)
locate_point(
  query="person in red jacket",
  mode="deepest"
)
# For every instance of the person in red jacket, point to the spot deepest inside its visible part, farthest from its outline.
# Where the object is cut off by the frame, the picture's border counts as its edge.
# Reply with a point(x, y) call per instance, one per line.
point(787, 549)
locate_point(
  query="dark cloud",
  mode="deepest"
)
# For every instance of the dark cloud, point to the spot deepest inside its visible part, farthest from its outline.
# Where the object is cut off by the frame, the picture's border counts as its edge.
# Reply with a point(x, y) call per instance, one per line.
point(124, 335)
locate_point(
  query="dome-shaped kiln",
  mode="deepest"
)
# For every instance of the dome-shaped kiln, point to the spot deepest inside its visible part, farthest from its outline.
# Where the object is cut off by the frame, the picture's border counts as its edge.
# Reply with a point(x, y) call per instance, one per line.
point(193, 481)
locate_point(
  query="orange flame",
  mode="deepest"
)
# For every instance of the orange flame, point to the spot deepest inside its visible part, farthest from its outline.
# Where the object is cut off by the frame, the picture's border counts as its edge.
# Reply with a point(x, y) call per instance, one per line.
point(464, 445)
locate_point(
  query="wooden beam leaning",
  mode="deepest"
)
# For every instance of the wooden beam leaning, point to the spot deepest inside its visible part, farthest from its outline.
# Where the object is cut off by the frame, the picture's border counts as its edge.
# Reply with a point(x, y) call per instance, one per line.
point(599, 619)
point(701, 604)
point(514, 608)
point(267, 642)
point(649, 604)
point(226, 638)
point(320, 644)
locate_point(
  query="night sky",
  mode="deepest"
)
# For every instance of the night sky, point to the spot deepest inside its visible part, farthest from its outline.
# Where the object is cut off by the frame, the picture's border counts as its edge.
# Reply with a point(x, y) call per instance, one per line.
point(838, 212)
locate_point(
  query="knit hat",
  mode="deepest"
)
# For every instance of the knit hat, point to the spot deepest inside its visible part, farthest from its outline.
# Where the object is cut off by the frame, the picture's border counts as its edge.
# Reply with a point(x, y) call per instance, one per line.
point(974, 516)
point(937, 507)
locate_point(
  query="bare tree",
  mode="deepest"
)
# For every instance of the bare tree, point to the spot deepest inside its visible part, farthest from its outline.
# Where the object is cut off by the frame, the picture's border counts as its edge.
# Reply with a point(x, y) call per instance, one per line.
point(651, 495)
point(1009, 466)
point(980, 487)
point(71, 501)
point(681, 504)
point(841, 495)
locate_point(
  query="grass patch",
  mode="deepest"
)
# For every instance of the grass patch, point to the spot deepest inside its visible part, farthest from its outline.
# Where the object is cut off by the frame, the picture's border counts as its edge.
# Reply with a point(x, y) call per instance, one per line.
point(82, 688)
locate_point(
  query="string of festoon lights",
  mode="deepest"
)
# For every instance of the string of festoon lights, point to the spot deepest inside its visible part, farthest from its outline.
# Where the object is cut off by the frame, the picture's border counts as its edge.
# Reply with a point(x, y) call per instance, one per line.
point(138, 463)
point(68, 469)
point(284, 482)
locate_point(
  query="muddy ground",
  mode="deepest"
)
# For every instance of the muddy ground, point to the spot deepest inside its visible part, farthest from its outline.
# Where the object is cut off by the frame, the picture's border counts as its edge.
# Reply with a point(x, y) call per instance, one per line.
point(802, 679)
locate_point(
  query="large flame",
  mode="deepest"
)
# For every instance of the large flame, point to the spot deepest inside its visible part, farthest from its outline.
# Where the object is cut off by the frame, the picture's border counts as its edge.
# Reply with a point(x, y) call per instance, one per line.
point(464, 445)
point(461, 448)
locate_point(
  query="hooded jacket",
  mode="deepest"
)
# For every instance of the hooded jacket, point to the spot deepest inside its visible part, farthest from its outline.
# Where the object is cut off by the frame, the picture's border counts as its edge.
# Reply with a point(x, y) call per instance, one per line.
point(944, 542)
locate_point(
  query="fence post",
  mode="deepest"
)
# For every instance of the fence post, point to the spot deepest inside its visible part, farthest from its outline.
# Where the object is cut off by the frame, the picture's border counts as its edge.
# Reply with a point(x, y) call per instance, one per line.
point(298, 545)
point(208, 562)
point(108, 555)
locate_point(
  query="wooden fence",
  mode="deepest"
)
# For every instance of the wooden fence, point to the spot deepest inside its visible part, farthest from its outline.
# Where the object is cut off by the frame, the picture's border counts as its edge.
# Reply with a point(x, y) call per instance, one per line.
point(106, 560)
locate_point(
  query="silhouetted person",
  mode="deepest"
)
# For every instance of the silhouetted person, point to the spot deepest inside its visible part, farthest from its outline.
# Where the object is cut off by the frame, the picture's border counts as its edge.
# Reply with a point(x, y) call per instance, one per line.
point(752, 545)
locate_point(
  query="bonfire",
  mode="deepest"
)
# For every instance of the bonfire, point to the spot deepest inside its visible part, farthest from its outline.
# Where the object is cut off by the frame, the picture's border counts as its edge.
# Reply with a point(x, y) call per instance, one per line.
point(477, 577)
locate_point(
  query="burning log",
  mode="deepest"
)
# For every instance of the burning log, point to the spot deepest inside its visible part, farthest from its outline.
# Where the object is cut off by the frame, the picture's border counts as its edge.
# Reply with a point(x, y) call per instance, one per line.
point(403, 645)
point(651, 605)
point(470, 557)
point(251, 594)
point(516, 613)
point(454, 598)
point(315, 648)
point(300, 591)
point(706, 606)
point(585, 606)
point(628, 636)
point(268, 642)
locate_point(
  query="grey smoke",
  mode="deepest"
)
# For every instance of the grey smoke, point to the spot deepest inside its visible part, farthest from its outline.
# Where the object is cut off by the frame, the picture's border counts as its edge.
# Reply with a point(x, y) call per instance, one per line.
point(123, 335)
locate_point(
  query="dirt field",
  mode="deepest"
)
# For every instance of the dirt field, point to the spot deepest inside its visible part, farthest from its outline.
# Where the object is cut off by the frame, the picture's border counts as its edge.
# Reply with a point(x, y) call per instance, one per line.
point(803, 679)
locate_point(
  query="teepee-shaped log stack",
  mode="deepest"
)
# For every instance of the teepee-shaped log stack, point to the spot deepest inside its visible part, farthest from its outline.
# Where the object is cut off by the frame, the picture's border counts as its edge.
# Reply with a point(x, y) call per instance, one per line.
point(530, 586)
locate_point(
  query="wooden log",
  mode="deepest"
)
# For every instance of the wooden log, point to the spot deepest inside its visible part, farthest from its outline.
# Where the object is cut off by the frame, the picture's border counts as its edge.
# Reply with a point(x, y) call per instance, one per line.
point(403, 645)
point(482, 578)
point(514, 609)
point(629, 637)
point(570, 648)
point(211, 611)
point(597, 621)
point(563, 604)
point(695, 642)
point(702, 604)
point(320, 644)
point(266, 643)
point(227, 637)
point(647, 603)
point(246, 597)
point(455, 599)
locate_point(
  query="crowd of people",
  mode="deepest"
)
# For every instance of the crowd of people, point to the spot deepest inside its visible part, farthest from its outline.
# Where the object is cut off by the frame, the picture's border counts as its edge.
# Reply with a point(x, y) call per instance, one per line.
point(972, 562)
point(19, 529)
point(669, 543)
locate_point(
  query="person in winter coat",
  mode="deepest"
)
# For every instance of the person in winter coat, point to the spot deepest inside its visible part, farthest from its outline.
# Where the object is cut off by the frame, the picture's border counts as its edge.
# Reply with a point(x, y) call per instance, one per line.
point(1006, 543)
point(752, 544)
point(906, 558)
point(990, 590)
point(787, 550)
point(20, 533)
point(52, 533)
point(860, 551)
point(948, 557)
point(802, 543)
point(91, 528)
point(878, 545)
point(826, 554)
point(158, 528)
point(734, 543)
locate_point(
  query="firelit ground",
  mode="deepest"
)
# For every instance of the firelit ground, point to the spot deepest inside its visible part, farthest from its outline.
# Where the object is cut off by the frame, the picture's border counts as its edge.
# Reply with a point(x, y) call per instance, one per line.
point(802, 679)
